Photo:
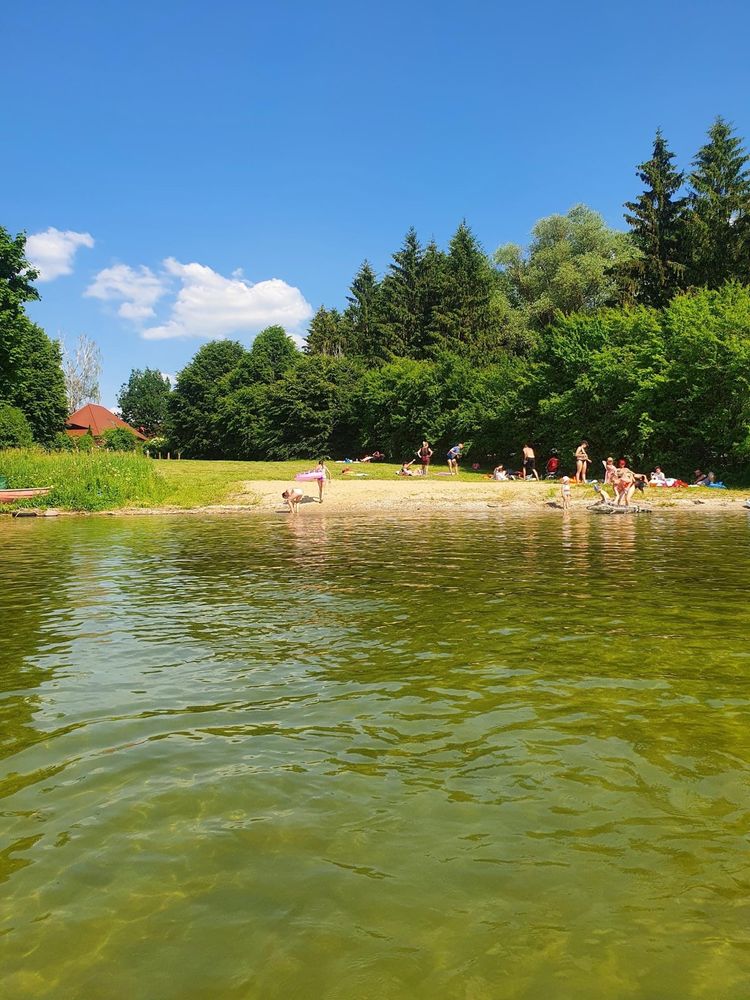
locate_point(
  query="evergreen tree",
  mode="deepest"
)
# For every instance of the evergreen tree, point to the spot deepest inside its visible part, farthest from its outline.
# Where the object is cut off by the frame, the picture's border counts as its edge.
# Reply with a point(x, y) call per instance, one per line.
point(364, 314)
point(656, 224)
point(330, 334)
point(463, 318)
point(719, 214)
point(401, 303)
point(433, 288)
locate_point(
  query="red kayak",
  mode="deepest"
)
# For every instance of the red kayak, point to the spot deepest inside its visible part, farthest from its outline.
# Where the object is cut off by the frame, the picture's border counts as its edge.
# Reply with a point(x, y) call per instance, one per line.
point(8, 496)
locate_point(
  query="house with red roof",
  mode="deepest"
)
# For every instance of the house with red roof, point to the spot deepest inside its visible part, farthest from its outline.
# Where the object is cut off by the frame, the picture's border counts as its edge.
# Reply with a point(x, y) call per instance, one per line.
point(96, 419)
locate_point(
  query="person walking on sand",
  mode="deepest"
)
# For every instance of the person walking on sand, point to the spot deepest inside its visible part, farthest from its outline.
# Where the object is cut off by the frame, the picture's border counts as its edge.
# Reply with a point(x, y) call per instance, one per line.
point(323, 474)
point(453, 457)
point(424, 454)
point(582, 462)
point(529, 463)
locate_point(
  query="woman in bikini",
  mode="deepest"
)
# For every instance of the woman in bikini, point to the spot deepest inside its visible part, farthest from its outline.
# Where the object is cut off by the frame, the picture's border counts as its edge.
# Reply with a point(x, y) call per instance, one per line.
point(424, 454)
point(582, 461)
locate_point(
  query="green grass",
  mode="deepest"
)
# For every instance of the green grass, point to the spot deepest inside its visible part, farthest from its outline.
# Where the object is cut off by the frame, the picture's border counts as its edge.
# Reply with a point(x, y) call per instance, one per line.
point(111, 481)
point(98, 480)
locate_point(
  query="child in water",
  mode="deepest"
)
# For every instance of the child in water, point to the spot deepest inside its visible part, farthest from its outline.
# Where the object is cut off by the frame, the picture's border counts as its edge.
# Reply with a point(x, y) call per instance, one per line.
point(565, 492)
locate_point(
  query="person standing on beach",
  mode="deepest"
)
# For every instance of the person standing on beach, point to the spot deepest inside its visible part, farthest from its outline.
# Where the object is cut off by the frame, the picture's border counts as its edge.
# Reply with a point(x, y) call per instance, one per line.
point(529, 463)
point(424, 454)
point(582, 462)
point(323, 474)
point(453, 456)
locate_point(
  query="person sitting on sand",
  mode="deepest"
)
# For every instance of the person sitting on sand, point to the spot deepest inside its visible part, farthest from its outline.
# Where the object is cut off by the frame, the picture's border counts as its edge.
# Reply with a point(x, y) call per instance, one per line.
point(405, 469)
point(565, 492)
point(453, 457)
point(499, 474)
point(293, 498)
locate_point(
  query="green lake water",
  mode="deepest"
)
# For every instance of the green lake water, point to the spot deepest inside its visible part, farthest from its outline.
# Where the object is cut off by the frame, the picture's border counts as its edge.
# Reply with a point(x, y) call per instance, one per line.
point(496, 756)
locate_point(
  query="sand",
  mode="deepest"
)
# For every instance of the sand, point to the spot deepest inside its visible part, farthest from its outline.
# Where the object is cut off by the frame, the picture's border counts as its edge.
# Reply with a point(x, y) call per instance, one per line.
point(434, 493)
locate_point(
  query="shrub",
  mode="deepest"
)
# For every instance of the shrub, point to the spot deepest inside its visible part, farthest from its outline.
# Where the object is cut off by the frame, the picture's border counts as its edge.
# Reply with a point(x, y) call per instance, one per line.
point(85, 442)
point(119, 439)
point(61, 442)
point(15, 431)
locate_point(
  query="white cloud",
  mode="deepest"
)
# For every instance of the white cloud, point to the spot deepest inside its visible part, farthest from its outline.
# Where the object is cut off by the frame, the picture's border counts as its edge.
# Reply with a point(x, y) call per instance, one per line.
point(212, 306)
point(137, 289)
point(52, 252)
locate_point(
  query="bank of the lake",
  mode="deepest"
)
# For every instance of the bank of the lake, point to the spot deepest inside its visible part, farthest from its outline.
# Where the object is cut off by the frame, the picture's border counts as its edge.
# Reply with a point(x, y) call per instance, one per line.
point(131, 484)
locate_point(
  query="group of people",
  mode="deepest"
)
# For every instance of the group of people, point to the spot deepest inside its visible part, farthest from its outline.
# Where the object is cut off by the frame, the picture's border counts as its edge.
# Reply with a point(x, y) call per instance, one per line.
point(623, 480)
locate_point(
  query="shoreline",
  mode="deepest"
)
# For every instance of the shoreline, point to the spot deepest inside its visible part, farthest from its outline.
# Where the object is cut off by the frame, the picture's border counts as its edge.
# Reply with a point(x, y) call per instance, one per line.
point(419, 496)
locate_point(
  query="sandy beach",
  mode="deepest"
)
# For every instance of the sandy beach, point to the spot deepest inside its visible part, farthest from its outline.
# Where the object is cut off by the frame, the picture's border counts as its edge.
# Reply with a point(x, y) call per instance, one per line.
point(435, 493)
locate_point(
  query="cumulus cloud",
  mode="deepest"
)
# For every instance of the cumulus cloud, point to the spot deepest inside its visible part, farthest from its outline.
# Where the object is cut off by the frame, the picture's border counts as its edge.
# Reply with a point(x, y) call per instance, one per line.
point(53, 251)
point(213, 306)
point(136, 289)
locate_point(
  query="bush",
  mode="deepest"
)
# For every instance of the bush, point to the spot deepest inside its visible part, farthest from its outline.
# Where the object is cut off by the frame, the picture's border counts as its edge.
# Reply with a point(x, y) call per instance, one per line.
point(61, 442)
point(85, 442)
point(15, 431)
point(119, 439)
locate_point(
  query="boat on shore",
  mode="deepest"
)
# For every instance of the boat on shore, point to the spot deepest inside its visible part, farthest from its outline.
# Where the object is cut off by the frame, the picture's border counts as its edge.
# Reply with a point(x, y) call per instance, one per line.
point(8, 496)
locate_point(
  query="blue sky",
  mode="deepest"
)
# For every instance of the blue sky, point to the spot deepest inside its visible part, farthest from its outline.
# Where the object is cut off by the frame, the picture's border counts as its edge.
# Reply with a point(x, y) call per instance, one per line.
point(225, 164)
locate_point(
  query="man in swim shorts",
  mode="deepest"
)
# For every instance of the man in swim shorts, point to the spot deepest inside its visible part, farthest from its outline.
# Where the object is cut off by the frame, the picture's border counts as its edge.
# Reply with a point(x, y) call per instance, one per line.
point(529, 463)
point(453, 456)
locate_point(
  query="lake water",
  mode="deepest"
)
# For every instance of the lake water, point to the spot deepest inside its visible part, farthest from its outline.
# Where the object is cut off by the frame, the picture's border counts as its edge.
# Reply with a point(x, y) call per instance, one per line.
point(501, 756)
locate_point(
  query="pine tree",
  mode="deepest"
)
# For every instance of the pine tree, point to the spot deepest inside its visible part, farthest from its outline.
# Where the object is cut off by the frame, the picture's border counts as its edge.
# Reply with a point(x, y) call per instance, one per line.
point(719, 214)
point(401, 303)
point(656, 220)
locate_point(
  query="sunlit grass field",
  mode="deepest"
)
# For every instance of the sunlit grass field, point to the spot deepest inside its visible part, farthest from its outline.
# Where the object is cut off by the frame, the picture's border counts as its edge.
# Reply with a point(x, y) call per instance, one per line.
point(99, 481)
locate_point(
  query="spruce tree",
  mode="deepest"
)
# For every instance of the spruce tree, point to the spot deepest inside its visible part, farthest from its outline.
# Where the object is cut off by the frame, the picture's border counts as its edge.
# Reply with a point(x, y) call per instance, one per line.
point(364, 314)
point(401, 303)
point(719, 210)
point(464, 318)
point(656, 222)
point(329, 334)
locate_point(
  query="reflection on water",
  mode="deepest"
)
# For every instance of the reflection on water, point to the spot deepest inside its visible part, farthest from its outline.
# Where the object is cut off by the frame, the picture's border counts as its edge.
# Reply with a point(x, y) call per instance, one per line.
point(472, 757)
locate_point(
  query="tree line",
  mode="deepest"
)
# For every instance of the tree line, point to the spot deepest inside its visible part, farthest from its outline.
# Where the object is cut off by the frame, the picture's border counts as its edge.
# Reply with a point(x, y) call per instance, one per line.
point(637, 340)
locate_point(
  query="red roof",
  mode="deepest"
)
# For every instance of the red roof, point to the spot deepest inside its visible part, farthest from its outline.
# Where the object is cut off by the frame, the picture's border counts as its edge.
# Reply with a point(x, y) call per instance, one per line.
point(99, 419)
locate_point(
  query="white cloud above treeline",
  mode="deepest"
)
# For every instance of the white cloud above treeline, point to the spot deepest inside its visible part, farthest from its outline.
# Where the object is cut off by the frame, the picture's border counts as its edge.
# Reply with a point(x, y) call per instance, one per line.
point(204, 303)
point(137, 289)
point(52, 252)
